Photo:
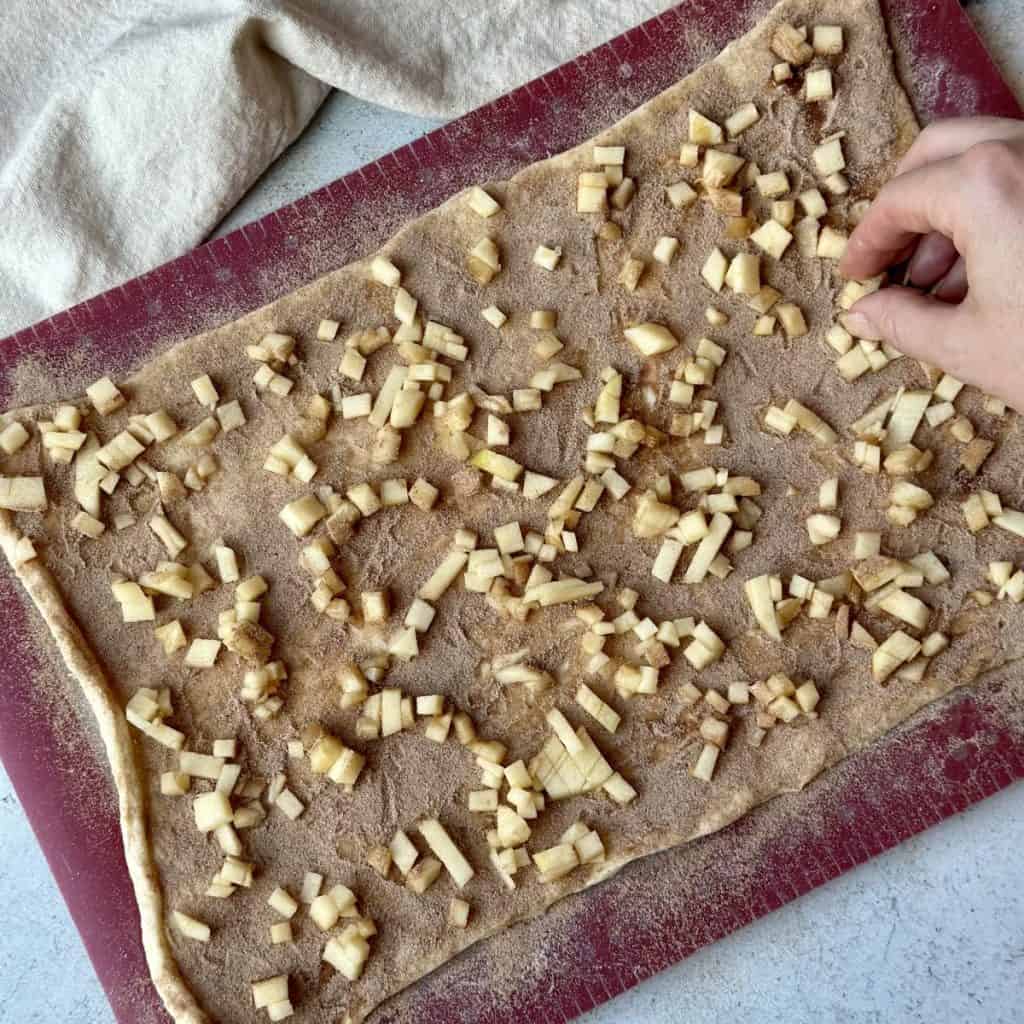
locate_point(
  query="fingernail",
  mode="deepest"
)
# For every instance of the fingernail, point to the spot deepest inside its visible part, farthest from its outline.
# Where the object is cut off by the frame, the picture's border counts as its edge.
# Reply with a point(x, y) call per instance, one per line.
point(861, 326)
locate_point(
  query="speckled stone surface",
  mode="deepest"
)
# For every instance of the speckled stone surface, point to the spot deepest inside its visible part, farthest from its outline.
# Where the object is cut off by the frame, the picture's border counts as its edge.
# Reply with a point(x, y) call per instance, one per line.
point(931, 932)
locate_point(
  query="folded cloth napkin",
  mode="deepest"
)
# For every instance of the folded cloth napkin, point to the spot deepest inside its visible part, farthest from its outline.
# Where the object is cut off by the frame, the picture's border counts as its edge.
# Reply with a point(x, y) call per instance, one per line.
point(128, 128)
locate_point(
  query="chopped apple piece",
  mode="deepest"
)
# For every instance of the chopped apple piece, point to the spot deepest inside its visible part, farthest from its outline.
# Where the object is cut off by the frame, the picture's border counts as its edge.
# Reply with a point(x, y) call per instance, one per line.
point(174, 783)
point(202, 653)
point(704, 768)
point(87, 525)
point(651, 339)
point(811, 422)
point(105, 396)
point(904, 494)
point(823, 528)
point(446, 851)
point(632, 270)
point(681, 195)
point(790, 44)
point(818, 85)
point(828, 157)
point(136, 606)
point(494, 316)
point(828, 494)
point(481, 203)
point(853, 364)
point(813, 203)
point(714, 269)
point(665, 249)
point(458, 913)
point(781, 72)
point(784, 212)
point(483, 801)
point(547, 258)
point(348, 953)
point(1011, 521)
point(205, 391)
point(556, 862)
point(654, 517)
point(69, 417)
point(720, 168)
point(270, 992)
point(496, 464)
point(741, 119)
point(666, 560)
point(708, 548)
point(975, 453)
point(402, 853)
point(13, 438)
point(423, 875)
point(827, 40)
point(866, 544)
point(975, 514)
point(772, 238)
point(744, 274)
point(890, 655)
point(190, 927)
point(301, 515)
point(689, 154)
point(285, 904)
point(773, 185)
point(703, 131)
point(758, 591)
point(212, 810)
point(905, 606)
point(623, 193)
point(328, 329)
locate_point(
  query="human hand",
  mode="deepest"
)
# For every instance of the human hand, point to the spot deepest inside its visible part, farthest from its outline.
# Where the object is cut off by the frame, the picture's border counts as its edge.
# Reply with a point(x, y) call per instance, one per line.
point(956, 210)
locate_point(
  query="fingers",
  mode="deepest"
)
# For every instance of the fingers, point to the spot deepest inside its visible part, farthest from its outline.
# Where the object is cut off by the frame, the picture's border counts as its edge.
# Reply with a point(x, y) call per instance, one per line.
point(932, 260)
point(953, 286)
point(925, 200)
point(918, 325)
point(951, 137)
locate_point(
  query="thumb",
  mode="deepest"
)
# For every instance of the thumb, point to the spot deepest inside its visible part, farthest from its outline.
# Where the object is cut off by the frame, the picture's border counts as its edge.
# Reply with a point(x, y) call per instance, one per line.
point(915, 324)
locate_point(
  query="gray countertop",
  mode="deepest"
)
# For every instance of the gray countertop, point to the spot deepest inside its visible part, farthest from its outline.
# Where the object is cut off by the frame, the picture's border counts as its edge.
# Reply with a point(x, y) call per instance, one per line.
point(931, 931)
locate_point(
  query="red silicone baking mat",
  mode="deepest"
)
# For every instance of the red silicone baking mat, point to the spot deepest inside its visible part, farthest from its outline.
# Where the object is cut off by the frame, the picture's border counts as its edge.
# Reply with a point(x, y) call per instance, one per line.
point(967, 749)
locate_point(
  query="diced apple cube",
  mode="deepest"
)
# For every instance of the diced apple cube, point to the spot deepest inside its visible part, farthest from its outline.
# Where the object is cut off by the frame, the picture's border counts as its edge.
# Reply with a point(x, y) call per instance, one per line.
point(212, 810)
point(190, 927)
point(458, 913)
point(546, 257)
point(741, 119)
point(270, 991)
point(828, 157)
point(818, 85)
point(703, 131)
point(681, 194)
point(13, 438)
point(105, 396)
point(482, 204)
point(202, 653)
point(772, 238)
point(301, 515)
point(790, 44)
point(651, 339)
point(827, 40)
point(665, 249)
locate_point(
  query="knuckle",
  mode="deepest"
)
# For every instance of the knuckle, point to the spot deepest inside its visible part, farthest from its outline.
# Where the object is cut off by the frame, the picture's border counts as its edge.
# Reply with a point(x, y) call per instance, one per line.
point(996, 164)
